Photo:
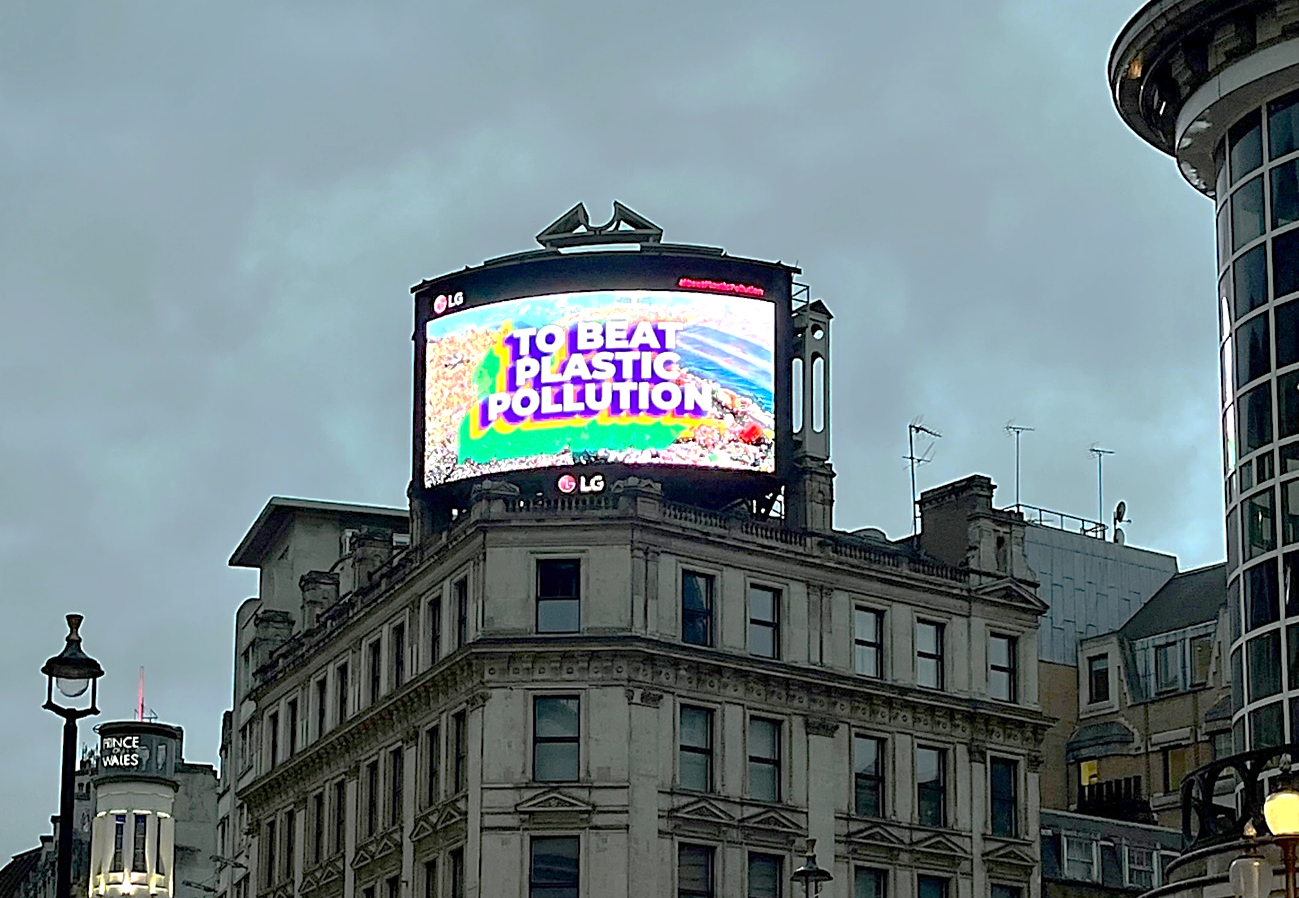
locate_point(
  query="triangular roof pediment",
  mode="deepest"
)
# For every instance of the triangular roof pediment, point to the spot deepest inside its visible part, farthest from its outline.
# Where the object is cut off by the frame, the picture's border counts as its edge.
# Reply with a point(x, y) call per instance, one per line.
point(703, 809)
point(939, 844)
point(553, 801)
point(1013, 592)
point(1010, 854)
point(876, 833)
point(450, 816)
point(770, 819)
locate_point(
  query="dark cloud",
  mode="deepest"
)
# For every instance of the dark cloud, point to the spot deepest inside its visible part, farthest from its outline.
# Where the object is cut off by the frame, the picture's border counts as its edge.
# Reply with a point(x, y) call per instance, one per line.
point(212, 215)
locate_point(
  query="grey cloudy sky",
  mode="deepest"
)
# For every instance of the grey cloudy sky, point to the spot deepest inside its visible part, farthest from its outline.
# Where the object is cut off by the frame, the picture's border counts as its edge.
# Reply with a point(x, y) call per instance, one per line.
point(210, 216)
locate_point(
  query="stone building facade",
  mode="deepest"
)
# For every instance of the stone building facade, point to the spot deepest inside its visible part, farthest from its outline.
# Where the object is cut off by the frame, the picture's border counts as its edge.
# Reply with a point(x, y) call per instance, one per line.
point(618, 695)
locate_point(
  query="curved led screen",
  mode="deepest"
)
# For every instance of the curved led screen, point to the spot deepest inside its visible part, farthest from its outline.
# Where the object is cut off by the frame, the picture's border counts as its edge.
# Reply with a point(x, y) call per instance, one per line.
point(626, 376)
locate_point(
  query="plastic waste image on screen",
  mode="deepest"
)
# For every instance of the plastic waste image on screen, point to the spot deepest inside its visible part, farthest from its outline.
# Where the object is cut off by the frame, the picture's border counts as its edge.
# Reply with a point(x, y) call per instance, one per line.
point(628, 376)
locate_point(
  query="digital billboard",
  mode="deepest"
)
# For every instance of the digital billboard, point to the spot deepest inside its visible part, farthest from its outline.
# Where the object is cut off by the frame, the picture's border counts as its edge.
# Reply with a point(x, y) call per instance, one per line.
point(683, 377)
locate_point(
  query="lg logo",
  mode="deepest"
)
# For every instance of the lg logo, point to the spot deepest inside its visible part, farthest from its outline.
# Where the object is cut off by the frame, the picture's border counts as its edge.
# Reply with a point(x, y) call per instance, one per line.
point(444, 301)
point(567, 483)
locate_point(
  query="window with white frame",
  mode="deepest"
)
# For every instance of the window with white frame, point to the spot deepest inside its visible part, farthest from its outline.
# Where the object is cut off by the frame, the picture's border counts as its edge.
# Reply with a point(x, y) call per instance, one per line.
point(1079, 858)
point(1138, 867)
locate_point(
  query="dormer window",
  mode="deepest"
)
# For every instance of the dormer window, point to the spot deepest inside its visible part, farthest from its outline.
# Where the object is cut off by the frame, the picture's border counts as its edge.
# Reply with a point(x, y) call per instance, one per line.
point(1098, 679)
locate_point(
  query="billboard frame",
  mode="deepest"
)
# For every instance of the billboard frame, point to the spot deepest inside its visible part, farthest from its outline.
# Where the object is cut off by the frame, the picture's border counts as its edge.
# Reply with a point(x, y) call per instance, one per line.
point(652, 266)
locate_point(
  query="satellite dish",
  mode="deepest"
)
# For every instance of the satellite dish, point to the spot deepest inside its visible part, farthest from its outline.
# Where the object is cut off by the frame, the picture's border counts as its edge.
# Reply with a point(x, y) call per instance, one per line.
point(1120, 512)
point(1119, 538)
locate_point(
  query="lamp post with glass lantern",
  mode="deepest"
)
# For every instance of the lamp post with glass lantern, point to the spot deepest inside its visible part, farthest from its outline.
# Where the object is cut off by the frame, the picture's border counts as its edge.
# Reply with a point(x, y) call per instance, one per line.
point(72, 671)
point(1249, 873)
point(811, 876)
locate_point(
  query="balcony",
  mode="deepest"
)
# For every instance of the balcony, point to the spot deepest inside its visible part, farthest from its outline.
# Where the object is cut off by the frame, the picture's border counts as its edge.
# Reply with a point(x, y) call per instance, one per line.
point(1117, 799)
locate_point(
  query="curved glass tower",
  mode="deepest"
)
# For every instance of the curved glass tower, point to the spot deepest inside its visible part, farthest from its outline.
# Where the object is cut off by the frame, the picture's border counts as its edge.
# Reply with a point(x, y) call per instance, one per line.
point(1215, 84)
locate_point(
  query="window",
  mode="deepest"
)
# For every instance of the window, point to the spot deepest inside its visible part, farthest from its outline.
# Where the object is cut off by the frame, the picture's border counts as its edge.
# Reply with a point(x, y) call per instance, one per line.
point(1004, 794)
point(765, 880)
point(868, 776)
point(1002, 667)
point(321, 697)
point(290, 849)
point(1253, 350)
point(367, 892)
point(1263, 658)
point(555, 739)
point(931, 786)
point(340, 692)
point(764, 621)
point(138, 843)
point(696, 608)
point(694, 871)
point(292, 711)
point(1247, 220)
point(929, 655)
point(1098, 679)
point(1138, 867)
point(1201, 659)
point(1287, 338)
point(433, 765)
point(1255, 410)
point(434, 629)
point(1000, 891)
point(374, 665)
point(273, 736)
point(764, 759)
point(870, 882)
point(392, 887)
point(398, 646)
point(457, 873)
point(868, 641)
point(430, 879)
point(696, 763)
point(1285, 193)
point(159, 862)
point(931, 886)
point(1222, 745)
point(553, 869)
point(119, 832)
point(461, 593)
point(318, 827)
point(1245, 139)
point(371, 798)
point(1262, 599)
point(1285, 263)
point(396, 772)
point(558, 595)
point(340, 817)
point(1283, 125)
point(460, 760)
point(1260, 524)
point(1079, 858)
point(1168, 666)
point(270, 836)
point(1266, 726)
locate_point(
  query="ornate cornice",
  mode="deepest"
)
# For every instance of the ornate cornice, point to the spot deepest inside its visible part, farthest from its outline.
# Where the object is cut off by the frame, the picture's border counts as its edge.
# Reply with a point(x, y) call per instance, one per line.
point(647, 668)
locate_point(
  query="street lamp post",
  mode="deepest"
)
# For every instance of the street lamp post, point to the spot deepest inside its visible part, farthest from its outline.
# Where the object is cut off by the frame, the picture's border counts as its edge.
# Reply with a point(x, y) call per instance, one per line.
point(811, 876)
point(1249, 873)
point(72, 671)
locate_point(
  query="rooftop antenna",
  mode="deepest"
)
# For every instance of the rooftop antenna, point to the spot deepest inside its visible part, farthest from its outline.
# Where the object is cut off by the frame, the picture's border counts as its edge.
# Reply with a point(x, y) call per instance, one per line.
point(139, 701)
point(1100, 454)
point(1011, 427)
point(914, 428)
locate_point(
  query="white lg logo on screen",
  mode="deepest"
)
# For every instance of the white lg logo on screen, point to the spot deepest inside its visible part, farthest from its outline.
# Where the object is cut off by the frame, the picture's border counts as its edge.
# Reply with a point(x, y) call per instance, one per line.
point(568, 483)
point(444, 301)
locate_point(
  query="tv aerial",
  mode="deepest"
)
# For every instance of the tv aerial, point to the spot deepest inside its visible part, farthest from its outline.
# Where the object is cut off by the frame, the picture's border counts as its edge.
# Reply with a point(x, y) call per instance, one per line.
point(1012, 428)
point(1096, 450)
point(914, 428)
